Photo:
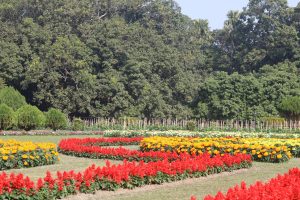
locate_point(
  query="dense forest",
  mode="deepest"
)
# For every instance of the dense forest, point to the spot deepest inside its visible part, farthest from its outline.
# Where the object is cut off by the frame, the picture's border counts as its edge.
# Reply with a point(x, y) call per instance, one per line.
point(144, 58)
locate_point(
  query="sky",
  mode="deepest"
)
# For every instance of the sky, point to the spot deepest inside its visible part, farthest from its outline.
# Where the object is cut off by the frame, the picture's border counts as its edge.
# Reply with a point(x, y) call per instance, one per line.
point(216, 15)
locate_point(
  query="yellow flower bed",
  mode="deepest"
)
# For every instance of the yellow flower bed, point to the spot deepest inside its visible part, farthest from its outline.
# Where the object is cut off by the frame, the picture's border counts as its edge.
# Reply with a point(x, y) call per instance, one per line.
point(17, 154)
point(261, 149)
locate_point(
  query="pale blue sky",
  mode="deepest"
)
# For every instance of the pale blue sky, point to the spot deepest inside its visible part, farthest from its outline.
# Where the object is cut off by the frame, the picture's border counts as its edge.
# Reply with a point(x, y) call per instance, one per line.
point(214, 10)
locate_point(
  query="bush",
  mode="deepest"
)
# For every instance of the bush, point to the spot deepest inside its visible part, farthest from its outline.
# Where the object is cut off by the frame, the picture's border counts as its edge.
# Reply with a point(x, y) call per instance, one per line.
point(55, 119)
point(78, 125)
point(30, 117)
point(6, 117)
point(191, 126)
point(12, 98)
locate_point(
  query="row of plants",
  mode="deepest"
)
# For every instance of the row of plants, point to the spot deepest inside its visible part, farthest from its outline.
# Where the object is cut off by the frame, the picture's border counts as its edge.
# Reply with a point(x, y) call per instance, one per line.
point(17, 154)
point(107, 141)
point(147, 133)
point(92, 148)
point(30, 117)
point(261, 149)
point(16, 114)
point(210, 134)
point(49, 133)
point(111, 177)
point(120, 127)
point(282, 187)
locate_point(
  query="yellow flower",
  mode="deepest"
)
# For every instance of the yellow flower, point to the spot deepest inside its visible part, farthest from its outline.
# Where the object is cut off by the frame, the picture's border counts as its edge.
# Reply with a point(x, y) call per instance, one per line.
point(259, 156)
point(266, 154)
point(4, 157)
point(24, 156)
point(26, 163)
point(216, 152)
point(279, 156)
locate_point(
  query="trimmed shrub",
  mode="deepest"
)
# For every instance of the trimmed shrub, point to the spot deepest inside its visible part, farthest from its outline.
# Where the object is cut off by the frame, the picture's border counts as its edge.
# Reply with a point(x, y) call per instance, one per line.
point(55, 119)
point(12, 98)
point(78, 125)
point(6, 117)
point(190, 125)
point(30, 117)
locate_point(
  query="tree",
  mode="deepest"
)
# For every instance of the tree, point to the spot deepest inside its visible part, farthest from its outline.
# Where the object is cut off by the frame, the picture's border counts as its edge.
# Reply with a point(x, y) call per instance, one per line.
point(144, 58)
point(263, 34)
point(12, 98)
point(30, 117)
point(55, 119)
point(290, 107)
point(63, 79)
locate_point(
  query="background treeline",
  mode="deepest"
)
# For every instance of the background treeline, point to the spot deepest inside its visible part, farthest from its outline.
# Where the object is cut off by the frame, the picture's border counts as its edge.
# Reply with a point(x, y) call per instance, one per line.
point(144, 58)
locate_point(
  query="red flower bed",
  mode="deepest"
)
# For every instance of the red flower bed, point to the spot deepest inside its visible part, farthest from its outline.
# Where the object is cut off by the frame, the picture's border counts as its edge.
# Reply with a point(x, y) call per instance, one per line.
point(160, 167)
point(91, 148)
point(111, 177)
point(283, 187)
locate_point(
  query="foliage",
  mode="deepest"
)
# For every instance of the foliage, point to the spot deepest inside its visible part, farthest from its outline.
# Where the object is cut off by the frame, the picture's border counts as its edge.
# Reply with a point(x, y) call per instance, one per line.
point(12, 98)
point(290, 107)
point(191, 125)
point(55, 119)
point(77, 124)
point(2, 83)
point(145, 59)
point(15, 154)
point(29, 117)
point(276, 120)
point(6, 117)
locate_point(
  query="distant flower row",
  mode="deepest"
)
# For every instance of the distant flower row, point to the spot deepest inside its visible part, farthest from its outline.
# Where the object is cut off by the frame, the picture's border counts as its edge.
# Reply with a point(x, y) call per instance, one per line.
point(261, 149)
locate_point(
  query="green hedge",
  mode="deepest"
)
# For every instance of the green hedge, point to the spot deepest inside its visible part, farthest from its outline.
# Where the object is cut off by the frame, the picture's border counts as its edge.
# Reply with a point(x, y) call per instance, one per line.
point(12, 98)
point(55, 119)
point(30, 117)
point(6, 117)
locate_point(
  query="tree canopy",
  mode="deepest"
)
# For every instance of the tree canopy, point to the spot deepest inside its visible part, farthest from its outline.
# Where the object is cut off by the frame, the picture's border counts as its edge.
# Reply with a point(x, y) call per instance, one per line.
point(144, 58)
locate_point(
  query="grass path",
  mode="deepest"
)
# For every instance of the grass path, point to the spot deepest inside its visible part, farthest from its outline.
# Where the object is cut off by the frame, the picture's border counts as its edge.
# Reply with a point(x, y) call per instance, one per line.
point(200, 187)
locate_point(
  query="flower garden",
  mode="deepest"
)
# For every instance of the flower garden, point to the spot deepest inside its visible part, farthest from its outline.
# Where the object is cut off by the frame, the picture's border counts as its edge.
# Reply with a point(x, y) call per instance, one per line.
point(158, 160)
point(261, 149)
point(16, 154)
